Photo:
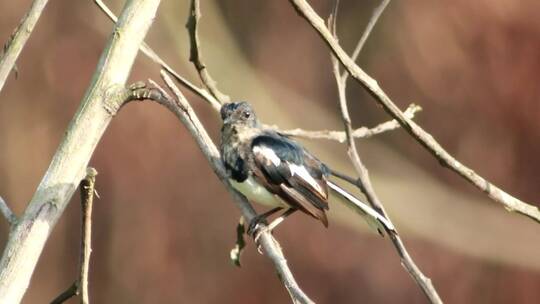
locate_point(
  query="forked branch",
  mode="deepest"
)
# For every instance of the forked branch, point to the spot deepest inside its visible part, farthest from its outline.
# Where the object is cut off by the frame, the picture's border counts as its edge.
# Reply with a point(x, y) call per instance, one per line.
point(424, 138)
point(365, 184)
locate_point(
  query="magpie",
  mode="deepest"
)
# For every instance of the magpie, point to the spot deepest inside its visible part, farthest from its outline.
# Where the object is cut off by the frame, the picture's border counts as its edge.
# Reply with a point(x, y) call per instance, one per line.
point(272, 169)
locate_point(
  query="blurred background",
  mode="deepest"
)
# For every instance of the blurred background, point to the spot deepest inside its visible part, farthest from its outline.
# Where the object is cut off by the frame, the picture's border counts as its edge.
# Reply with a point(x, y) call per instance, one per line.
point(164, 225)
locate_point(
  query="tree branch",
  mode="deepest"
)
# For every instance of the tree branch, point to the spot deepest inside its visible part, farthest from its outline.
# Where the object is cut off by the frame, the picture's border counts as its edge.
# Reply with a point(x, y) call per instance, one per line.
point(195, 55)
point(424, 138)
point(103, 98)
point(7, 213)
point(365, 184)
point(270, 247)
point(80, 286)
point(16, 42)
point(340, 136)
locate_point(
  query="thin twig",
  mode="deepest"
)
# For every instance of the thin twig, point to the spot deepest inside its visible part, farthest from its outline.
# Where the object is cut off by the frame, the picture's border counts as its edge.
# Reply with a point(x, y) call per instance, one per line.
point(195, 55)
point(16, 42)
point(152, 55)
point(7, 213)
point(183, 110)
point(365, 184)
point(377, 12)
point(340, 136)
point(80, 285)
point(424, 138)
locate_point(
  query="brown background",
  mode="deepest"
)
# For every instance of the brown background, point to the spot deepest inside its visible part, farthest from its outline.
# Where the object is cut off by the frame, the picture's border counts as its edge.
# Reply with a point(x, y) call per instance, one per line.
point(164, 225)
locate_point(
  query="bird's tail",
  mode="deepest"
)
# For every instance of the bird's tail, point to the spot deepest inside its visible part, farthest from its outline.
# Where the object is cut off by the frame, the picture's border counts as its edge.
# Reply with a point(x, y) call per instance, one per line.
point(373, 218)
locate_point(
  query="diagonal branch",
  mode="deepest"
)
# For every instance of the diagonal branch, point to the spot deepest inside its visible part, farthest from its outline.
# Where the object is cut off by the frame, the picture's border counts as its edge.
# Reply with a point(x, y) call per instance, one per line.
point(420, 135)
point(195, 54)
point(80, 286)
point(100, 103)
point(182, 109)
point(365, 184)
point(7, 213)
point(16, 42)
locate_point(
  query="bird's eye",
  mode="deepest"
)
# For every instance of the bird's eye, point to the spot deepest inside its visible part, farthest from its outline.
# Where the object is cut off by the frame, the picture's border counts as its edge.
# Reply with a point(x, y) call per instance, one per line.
point(247, 114)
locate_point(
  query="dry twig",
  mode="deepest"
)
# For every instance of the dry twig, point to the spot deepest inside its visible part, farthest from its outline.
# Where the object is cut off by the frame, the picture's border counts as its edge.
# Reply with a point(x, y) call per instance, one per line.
point(424, 138)
point(16, 42)
point(364, 180)
point(195, 55)
point(80, 286)
point(340, 136)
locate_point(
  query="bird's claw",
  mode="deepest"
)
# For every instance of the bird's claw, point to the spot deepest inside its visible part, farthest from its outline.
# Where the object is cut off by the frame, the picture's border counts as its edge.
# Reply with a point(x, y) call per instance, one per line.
point(254, 224)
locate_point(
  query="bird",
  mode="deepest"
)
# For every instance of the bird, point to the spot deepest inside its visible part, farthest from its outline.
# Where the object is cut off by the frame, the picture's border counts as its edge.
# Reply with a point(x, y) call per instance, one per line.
point(274, 170)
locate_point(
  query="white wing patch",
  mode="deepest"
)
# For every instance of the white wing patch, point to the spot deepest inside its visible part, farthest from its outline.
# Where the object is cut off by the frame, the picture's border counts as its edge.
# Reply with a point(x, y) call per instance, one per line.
point(268, 154)
point(304, 174)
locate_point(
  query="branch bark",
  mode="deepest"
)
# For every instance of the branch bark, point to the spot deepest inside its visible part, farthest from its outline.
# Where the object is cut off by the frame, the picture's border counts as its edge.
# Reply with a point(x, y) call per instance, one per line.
point(420, 135)
point(270, 247)
point(67, 168)
point(16, 42)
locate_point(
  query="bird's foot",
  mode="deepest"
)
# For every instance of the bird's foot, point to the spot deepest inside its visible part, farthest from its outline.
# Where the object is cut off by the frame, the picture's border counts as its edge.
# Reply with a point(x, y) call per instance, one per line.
point(255, 223)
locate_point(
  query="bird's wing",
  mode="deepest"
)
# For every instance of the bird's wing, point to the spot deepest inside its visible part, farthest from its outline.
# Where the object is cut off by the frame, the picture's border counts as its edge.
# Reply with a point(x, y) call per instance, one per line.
point(286, 169)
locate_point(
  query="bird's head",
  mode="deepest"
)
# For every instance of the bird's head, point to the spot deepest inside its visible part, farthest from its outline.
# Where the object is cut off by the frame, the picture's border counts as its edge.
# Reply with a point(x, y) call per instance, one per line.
point(238, 113)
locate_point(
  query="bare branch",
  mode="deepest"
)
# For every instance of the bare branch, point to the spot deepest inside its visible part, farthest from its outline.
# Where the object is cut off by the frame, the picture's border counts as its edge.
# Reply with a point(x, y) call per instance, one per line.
point(195, 55)
point(7, 213)
point(340, 136)
point(152, 55)
point(364, 181)
point(270, 247)
point(371, 24)
point(103, 98)
point(424, 138)
point(16, 42)
point(80, 286)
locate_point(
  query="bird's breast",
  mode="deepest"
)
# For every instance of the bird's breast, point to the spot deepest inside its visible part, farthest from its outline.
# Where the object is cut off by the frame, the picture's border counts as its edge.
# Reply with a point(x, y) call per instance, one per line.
point(251, 189)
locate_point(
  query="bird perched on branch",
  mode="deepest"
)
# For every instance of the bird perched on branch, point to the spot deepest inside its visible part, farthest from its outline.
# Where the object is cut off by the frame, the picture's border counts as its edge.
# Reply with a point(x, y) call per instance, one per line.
point(274, 170)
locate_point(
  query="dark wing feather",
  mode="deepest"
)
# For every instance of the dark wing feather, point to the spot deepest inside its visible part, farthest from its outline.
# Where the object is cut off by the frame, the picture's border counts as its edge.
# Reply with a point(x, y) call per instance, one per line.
point(305, 204)
point(287, 170)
